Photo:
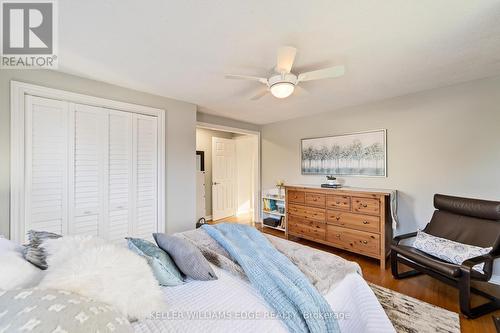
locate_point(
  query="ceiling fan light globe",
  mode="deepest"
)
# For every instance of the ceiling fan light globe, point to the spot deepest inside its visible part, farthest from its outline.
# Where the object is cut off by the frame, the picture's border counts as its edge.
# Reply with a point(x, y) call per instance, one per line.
point(282, 89)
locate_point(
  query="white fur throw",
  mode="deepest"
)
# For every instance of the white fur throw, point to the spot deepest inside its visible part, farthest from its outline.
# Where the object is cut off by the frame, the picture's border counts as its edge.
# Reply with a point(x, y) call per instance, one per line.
point(102, 271)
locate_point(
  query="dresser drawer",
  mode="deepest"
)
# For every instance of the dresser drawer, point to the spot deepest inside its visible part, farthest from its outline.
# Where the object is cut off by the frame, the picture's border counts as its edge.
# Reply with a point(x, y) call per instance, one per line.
point(296, 210)
point(296, 196)
point(339, 202)
point(313, 213)
point(354, 240)
point(315, 199)
point(366, 205)
point(308, 228)
point(355, 221)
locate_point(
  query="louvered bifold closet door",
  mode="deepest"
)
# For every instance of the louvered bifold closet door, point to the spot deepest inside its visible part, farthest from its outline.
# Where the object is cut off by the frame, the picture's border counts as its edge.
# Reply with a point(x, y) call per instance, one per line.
point(120, 163)
point(46, 165)
point(145, 175)
point(88, 172)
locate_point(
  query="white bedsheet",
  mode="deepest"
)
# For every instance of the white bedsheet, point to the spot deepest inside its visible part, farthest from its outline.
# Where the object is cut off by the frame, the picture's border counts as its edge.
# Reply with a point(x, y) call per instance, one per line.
point(232, 305)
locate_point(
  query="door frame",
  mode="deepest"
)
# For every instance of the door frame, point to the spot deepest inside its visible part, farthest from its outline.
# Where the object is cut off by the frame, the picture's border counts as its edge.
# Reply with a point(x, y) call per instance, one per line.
point(18, 91)
point(258, 190)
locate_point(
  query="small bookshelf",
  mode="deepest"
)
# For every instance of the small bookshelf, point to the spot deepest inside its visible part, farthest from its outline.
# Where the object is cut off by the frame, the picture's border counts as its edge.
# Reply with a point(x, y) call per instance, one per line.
point(274, 208)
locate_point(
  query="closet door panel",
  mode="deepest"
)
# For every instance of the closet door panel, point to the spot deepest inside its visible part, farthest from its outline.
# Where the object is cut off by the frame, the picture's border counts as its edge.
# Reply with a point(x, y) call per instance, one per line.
point(120, 175)
point(145, 163)
point(46, 164)
point(88, 170)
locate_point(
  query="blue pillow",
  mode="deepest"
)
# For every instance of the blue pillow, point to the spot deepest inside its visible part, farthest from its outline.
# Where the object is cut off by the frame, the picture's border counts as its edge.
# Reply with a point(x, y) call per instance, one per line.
point(164, 268)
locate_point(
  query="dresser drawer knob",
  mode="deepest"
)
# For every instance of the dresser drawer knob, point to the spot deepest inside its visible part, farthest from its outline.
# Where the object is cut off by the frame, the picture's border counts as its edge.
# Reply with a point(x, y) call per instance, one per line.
point(365, 222)
point(365, 242)
point(337, 202)
point(364, 205)
point(337, 218)
point(337, 235)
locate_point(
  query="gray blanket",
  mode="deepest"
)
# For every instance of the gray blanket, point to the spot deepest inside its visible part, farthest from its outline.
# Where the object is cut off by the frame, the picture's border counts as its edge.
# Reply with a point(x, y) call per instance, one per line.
point(323, 269)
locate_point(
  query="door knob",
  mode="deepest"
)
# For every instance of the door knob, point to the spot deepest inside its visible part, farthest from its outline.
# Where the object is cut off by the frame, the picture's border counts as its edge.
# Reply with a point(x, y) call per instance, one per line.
point(215, 183)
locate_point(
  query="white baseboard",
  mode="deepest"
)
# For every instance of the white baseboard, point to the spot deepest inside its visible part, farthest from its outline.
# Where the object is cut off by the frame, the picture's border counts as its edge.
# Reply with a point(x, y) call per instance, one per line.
point(208, 217)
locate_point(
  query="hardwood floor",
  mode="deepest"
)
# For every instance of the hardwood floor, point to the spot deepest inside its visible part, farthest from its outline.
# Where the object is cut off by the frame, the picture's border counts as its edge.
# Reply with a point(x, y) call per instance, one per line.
point(421, 287)
point(241, 219)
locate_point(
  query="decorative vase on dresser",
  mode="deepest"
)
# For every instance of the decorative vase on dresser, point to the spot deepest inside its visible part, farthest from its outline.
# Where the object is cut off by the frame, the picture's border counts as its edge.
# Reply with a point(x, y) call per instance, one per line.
point(356, 220)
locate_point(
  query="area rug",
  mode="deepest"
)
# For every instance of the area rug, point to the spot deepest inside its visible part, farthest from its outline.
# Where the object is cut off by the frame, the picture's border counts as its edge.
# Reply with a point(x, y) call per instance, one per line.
point(410, 315)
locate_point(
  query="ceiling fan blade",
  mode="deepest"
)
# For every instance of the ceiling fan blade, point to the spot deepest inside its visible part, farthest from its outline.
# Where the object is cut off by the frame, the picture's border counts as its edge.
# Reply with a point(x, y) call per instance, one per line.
point(325, 73)
point(285, 59)
point(259, 95)
point(300, 91)
point(246, 77)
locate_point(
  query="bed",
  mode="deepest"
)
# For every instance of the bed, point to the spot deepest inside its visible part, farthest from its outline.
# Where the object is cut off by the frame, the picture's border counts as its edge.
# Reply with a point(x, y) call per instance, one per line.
point(115, 277)
point(231, 304)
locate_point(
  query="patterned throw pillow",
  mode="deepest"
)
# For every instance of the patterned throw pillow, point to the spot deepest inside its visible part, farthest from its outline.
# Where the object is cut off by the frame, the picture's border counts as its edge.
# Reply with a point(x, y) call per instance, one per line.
point(45, 310)
point(163, 267)
point(33, 251)
point(448, 250)
point(187, 257)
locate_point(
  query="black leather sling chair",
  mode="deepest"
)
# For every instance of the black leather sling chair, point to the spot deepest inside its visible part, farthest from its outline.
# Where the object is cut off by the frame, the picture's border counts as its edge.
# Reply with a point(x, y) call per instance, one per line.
point(469, 221)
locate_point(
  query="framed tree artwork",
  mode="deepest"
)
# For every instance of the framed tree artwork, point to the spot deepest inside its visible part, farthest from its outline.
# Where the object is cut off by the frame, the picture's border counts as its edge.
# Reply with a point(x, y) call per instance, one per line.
point(354, 154)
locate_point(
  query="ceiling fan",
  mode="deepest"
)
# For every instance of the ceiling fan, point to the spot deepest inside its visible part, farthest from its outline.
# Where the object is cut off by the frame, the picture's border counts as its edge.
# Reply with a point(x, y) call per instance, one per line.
point(283, 83)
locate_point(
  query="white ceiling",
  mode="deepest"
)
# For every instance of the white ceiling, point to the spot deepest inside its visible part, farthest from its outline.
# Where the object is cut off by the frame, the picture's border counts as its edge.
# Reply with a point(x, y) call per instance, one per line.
point(181, 49)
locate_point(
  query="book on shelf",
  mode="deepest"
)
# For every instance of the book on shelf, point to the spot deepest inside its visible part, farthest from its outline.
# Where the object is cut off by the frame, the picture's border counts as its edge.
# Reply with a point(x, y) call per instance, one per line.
point(269, 205)
point(282, 222)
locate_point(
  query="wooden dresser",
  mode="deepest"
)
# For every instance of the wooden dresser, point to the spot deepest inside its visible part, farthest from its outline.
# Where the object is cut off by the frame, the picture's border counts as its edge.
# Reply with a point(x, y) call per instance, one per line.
point(352, 219)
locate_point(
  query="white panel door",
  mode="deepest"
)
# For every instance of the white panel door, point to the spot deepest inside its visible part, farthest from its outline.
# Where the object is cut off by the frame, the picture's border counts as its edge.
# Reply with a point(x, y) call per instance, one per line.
point(120, 167)
point(87, 195)
point(223, 178)
point(145, 180)
point(46, 165)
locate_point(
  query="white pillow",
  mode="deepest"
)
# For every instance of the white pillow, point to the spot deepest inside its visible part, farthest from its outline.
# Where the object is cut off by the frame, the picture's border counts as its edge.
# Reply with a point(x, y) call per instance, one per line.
point(103, 271)
point(7, 245)
point(448, 250)
point(16, 272)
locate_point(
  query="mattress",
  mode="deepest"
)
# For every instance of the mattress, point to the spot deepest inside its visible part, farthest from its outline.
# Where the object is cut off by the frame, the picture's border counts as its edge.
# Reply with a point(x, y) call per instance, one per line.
point(230, 304)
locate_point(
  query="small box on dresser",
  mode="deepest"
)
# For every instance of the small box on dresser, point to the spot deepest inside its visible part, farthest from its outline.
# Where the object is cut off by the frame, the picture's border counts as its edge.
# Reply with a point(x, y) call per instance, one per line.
point(356, 220)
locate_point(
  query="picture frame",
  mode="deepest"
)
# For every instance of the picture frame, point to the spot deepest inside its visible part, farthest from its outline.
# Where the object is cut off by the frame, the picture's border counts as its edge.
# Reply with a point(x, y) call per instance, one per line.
point(358, 154)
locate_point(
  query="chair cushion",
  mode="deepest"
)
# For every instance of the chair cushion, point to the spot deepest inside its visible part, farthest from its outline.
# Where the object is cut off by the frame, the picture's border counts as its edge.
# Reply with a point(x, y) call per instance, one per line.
point(433, 263)
point(422, 258)
point(482, 209)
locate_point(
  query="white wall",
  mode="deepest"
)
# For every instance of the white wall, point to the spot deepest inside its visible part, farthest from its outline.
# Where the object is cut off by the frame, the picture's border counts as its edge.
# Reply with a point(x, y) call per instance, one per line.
point(204, 143)
point(180, 136)
point(246, 166)
point(440, 141)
